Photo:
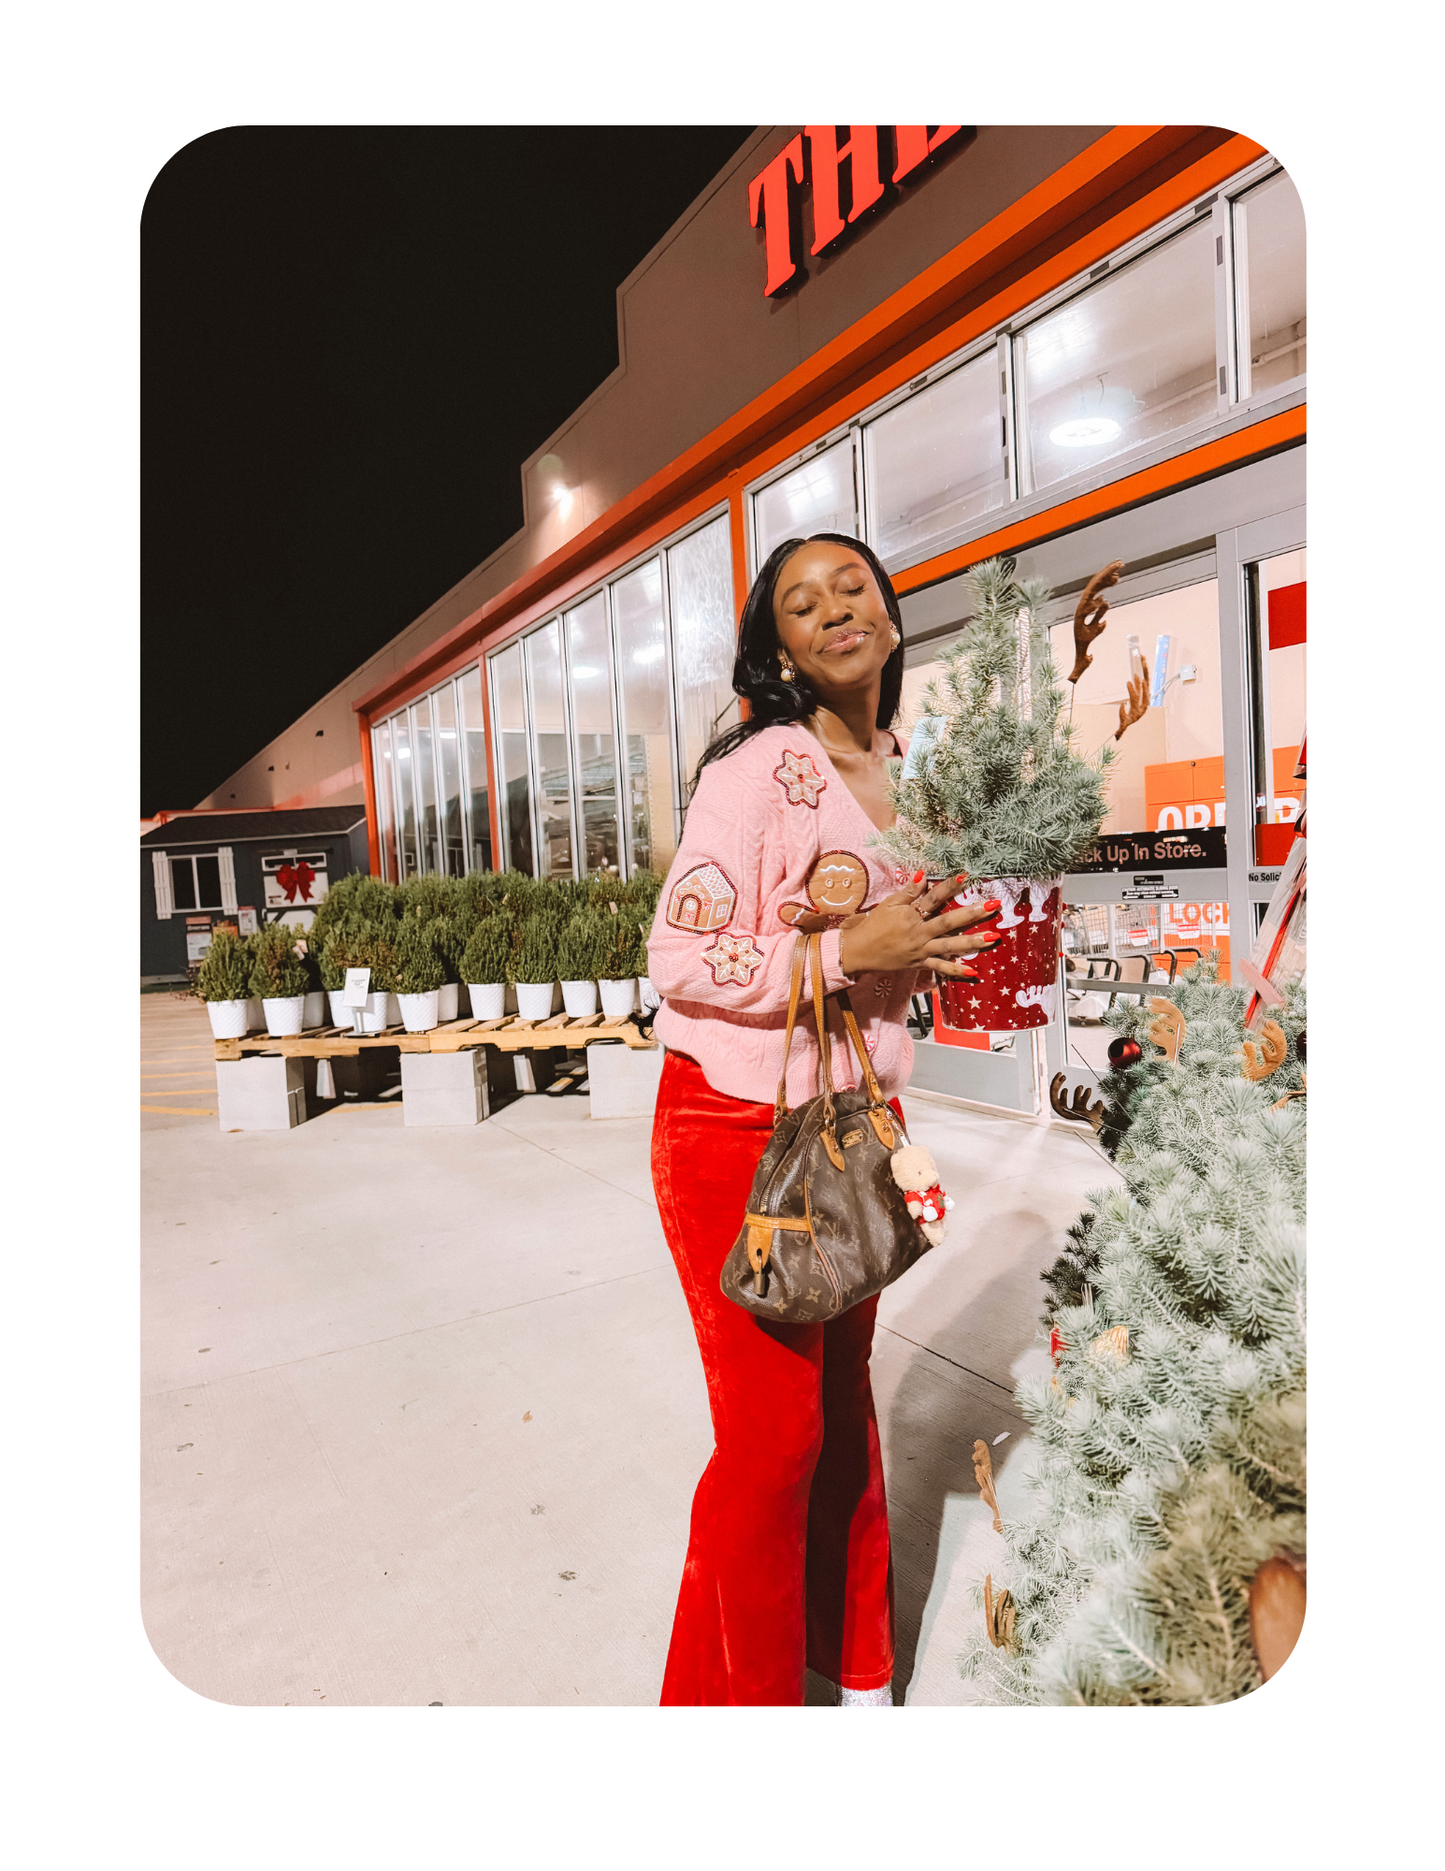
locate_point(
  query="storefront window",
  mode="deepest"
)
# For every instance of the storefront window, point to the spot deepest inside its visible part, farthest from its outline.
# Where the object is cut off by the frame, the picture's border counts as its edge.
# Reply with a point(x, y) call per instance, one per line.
point(406, 805)
point(590, 658)
point(936, 462)
point(381, 764)
point(449, 770)
point(424, 779)
point(1168, 772)
point(1277, 652)
point(1269, 283)
point(704, 637)
point(474, 774)
point(509, 712)
point(643, 685)
point(815, 498)
point(554, 768)
point(1126, 363)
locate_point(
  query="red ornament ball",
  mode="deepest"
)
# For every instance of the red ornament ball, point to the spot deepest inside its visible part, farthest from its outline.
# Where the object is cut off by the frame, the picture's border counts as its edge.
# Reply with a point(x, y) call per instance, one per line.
point(1124, 1052)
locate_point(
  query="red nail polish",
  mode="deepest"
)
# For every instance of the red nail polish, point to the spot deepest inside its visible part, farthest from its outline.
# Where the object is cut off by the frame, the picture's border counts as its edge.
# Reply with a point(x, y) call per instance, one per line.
point(918, 877)
point(994, 903)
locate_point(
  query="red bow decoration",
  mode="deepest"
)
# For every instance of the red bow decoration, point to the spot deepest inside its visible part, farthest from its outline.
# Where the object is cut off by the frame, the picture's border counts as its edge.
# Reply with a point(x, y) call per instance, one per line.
point(294, 877)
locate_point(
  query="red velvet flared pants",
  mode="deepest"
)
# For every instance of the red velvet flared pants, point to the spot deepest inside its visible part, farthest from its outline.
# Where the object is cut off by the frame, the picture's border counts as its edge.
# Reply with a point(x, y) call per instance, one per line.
point(788, 1561)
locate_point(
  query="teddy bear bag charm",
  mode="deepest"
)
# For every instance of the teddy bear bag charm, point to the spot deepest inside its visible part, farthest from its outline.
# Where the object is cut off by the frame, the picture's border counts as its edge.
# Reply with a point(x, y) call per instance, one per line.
point(916, 1174)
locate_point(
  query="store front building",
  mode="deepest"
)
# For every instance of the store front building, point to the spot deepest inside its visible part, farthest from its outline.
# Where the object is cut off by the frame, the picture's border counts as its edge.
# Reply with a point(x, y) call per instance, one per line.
point(1112, 367)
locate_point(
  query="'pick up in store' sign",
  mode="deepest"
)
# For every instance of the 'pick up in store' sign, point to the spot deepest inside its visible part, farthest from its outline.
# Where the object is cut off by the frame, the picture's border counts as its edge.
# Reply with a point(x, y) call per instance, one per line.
point(1198, 850)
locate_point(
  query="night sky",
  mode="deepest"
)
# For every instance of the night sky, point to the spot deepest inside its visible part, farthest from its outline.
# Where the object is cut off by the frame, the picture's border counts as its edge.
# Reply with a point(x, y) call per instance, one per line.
point(351, 339)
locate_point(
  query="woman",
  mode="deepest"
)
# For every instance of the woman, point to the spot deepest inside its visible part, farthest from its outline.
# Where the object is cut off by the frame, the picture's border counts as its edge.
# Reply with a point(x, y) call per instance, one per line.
point(788, 1560)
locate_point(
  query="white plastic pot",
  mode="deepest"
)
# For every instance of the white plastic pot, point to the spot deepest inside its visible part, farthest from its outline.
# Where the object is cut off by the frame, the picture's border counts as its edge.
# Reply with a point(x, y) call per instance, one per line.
point(393, 1010)
point(649, 1000)
point(534, 999)
point(228, 1018)
point(618, 998)
point(447, 1002)
point(579, 998)
point(340, 1012)
point(283, 1015)
point(373, 1014)
point(419, 1011)
point(489, 999)
point(314, 1013)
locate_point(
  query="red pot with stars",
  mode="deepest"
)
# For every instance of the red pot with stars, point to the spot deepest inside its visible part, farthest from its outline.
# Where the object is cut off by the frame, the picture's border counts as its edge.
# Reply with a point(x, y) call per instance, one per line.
point(1018, 982)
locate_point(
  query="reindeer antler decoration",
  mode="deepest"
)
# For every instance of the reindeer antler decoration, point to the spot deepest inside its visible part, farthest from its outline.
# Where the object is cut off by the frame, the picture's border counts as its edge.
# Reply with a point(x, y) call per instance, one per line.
point(983, 1475)
point(1166, 1029)
point(1089, 615)
point(1265, 1059)
point(1137, 705)
point(1080, 1109)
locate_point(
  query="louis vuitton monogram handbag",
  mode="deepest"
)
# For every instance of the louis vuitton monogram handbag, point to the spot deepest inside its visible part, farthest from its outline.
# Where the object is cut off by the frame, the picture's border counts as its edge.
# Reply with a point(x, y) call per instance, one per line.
point(841, 1203)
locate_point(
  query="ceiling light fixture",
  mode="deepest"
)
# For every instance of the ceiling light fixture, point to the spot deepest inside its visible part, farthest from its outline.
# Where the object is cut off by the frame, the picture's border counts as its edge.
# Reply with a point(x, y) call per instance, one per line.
point(1097, 420)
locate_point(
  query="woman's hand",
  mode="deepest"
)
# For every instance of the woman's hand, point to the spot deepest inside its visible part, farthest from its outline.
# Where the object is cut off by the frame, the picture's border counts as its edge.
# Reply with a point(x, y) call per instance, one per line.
point(907, 930)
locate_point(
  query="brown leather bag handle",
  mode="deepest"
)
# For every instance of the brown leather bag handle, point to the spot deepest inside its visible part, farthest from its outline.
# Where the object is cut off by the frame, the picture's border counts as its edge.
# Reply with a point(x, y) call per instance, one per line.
point(795, 993)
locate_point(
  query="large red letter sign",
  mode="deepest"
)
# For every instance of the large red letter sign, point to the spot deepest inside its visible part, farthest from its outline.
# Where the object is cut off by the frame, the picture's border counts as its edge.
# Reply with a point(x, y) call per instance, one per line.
point(768, 200)
point(915, 145)
point(861, 150)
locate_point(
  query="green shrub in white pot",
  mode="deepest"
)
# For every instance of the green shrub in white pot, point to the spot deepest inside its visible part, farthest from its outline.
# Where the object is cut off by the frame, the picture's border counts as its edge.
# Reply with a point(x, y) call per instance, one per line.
point(420, 973)
point(534, 965)
point(485, 961)
point(617, 974)
point(581, 946)
point(223, 982)
point(279, 978)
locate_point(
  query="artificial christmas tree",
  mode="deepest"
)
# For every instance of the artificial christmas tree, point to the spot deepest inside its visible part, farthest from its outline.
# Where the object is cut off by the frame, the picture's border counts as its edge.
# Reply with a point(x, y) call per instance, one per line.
point(1170, 1439)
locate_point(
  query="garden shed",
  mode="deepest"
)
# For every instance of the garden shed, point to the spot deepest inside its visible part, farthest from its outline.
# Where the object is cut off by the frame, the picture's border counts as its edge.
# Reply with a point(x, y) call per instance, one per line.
point(201, 868)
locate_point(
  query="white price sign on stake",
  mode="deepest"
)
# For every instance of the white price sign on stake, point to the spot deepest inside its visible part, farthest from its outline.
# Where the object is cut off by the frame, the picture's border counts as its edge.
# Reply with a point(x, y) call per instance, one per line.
point(358, 987)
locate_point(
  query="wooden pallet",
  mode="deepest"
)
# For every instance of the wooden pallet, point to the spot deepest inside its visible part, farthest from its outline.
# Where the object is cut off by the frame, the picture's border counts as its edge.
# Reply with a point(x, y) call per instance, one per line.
point(509, 1034)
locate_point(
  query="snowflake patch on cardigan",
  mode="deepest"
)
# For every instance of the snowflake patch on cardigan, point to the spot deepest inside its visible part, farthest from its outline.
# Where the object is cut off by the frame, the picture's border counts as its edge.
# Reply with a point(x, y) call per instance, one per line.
point(703, 900)
point(733, 958)
point(799, 779)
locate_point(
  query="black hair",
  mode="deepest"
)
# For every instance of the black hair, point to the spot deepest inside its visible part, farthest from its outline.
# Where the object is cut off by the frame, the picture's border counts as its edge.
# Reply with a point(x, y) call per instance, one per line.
point(757, 674)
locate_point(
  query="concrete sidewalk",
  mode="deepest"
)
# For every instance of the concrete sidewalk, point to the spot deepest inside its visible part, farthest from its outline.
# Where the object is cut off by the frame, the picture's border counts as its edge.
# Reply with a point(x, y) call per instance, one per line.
point(423, 1412)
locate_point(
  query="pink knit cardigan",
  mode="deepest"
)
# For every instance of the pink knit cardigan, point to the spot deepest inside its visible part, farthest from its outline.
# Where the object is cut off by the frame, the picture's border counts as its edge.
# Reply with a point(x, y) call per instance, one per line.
point(720, 954)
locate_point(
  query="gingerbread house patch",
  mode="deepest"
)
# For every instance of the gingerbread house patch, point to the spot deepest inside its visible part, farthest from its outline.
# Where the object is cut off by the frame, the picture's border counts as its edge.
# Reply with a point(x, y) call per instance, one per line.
point(703, 900)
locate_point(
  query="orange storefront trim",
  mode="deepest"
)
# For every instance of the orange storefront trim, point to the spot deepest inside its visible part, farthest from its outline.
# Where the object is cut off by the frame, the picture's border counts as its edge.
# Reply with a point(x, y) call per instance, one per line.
point(1126, 182)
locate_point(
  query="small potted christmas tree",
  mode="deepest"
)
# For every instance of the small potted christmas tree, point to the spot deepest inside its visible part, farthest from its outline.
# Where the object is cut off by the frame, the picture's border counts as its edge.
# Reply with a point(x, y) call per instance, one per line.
point(420, 973)
point(223, 982)
point(617, 976)
point(485, 963)
point(337, 955)
point(993, 788)
point(534, 965)
point(279, 978)
point(374, 948)
point(581, 945)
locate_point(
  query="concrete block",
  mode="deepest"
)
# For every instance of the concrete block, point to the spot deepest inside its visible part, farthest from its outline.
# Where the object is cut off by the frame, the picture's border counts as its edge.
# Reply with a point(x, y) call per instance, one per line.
point(260, 1093)
point(443, 1088)
point(622, 1081)
point(534, 1071)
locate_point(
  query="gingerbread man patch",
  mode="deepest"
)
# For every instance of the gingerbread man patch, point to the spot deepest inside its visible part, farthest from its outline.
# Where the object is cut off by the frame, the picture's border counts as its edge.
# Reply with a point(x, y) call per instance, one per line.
point(733, 958)
point(837, 885)
point(800, 779)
